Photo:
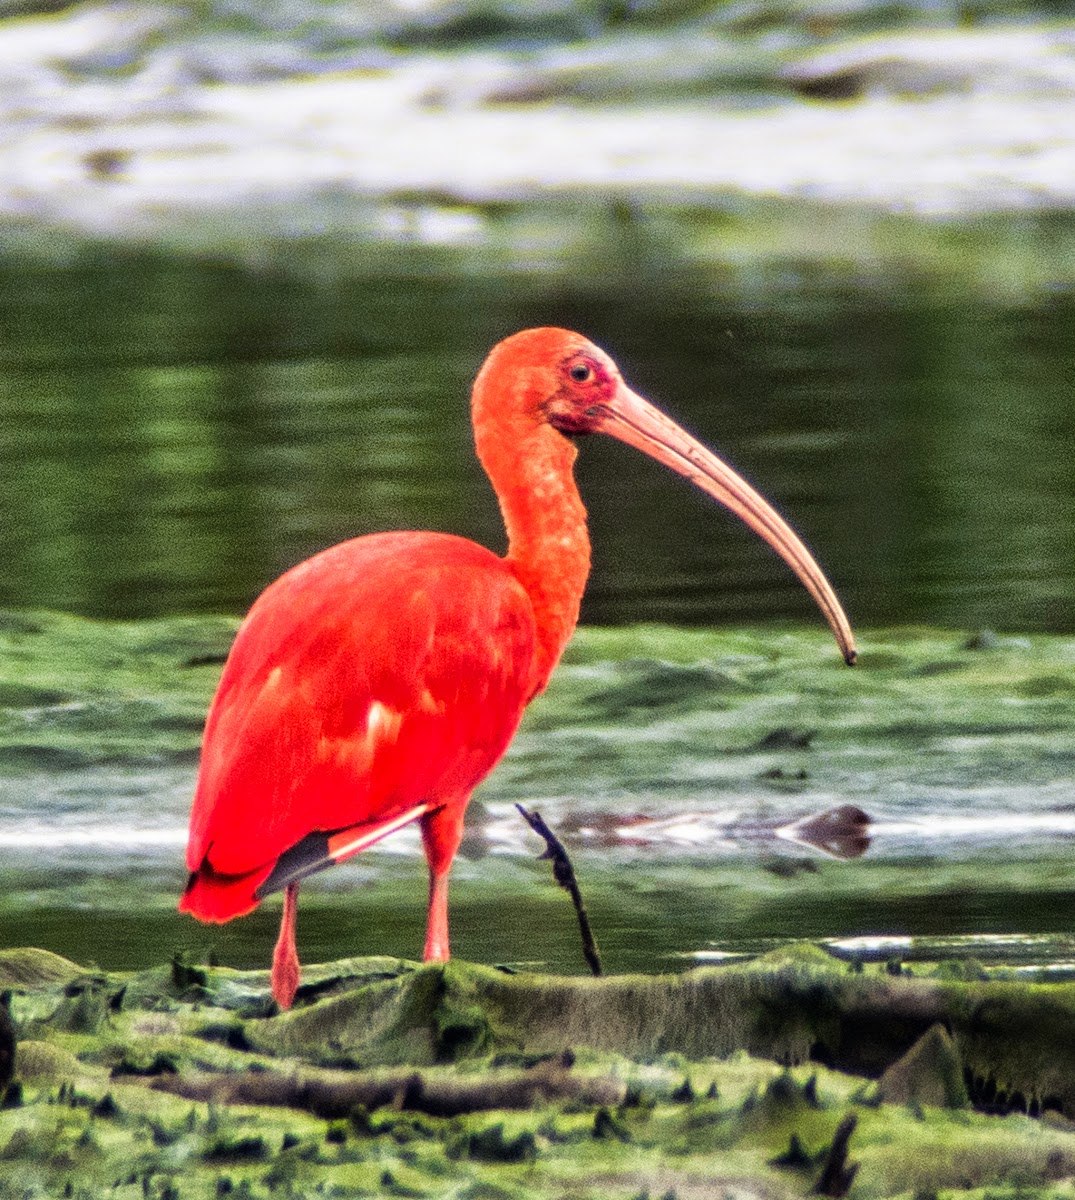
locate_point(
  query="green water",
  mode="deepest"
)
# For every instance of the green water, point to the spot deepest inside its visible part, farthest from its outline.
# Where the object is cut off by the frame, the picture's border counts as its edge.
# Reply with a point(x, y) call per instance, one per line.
point(174, 431)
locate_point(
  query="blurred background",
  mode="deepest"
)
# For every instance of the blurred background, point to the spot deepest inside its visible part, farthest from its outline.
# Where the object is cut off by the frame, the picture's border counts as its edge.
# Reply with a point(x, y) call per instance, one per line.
point(251, 255)
point(253, 252)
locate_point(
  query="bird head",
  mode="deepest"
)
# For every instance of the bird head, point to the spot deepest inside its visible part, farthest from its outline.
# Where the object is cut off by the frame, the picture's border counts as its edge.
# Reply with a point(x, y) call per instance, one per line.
point(561, 381)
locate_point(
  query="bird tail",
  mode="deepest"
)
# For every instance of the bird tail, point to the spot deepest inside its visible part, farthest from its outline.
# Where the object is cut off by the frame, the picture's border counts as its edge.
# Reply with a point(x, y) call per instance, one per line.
point(211, 896)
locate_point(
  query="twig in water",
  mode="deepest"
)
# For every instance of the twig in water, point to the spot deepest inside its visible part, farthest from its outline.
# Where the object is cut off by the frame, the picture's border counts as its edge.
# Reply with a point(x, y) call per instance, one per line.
point(564, 875)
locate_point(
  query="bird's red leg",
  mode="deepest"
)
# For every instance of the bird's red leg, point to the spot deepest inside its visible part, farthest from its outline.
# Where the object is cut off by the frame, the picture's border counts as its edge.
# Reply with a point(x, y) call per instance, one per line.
point(442, 831)
point(437, 947)
point(285, 958)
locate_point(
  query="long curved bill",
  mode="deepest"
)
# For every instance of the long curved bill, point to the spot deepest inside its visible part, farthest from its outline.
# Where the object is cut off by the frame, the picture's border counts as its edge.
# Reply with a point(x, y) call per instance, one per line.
point(638, 423)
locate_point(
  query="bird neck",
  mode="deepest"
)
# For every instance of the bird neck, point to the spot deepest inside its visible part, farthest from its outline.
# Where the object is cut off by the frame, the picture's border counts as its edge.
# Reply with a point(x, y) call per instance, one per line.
point(548, 542)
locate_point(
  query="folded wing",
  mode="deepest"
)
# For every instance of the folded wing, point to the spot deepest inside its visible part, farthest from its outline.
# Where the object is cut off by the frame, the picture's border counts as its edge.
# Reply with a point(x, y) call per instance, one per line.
point(381, 678)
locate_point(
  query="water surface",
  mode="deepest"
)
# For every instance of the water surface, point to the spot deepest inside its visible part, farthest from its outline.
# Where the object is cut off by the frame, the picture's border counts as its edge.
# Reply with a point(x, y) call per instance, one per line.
point(677, 766)
point(175, 432)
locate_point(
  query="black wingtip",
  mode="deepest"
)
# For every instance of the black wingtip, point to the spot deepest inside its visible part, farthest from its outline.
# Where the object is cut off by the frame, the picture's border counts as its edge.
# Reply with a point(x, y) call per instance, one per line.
point(304, 858)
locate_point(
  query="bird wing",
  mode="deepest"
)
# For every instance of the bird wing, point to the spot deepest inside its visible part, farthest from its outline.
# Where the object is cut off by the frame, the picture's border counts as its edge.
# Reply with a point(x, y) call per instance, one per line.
point(385, 673)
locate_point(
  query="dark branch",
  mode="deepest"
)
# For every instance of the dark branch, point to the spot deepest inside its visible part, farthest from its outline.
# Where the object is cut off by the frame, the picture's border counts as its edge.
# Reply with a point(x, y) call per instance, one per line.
point(564, 875)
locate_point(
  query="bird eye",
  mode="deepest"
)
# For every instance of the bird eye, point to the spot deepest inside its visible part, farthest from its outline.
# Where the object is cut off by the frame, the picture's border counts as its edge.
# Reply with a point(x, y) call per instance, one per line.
point(581, 372)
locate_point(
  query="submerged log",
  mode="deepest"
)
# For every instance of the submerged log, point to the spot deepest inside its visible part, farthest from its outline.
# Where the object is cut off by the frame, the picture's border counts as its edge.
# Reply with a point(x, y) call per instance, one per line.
point(333, 1094)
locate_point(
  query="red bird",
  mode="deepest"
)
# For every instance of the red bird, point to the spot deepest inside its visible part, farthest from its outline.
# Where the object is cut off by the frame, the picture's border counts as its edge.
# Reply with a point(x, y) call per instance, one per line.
point(380, 681)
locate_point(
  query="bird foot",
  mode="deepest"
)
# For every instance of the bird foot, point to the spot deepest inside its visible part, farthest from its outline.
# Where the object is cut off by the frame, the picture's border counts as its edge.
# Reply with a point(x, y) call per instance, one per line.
point(286, 975)
point(285, 957)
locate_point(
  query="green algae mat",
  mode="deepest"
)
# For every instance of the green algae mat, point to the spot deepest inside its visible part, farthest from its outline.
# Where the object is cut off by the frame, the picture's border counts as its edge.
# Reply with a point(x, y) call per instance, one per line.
point(792, 1075)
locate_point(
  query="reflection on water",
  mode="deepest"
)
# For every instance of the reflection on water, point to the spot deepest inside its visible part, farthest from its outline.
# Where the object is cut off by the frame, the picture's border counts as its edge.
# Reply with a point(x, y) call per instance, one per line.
point(662, 893)
point(174, 434)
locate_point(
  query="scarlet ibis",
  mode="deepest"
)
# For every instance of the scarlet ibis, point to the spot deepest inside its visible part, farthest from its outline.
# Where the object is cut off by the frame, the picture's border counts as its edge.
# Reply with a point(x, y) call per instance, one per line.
point(378, 682)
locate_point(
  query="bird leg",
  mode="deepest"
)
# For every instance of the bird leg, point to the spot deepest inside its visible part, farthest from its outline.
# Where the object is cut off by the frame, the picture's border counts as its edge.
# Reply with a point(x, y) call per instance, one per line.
point(285, 957)
point(442, 831)
point(437, 948)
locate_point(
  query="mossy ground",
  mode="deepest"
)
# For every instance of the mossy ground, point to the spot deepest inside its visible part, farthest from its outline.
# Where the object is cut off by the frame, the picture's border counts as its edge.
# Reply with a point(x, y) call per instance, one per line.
point(695, 1085)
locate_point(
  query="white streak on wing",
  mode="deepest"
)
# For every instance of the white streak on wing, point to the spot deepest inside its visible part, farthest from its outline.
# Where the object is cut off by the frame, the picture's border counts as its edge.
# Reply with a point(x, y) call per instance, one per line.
point(344, 845)
point(382, 722)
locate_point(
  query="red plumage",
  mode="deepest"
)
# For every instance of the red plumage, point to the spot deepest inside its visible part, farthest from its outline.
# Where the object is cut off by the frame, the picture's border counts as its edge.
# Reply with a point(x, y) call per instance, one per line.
point(382, 673)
